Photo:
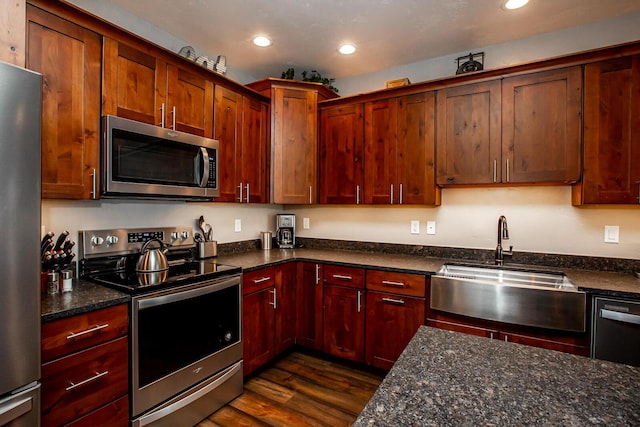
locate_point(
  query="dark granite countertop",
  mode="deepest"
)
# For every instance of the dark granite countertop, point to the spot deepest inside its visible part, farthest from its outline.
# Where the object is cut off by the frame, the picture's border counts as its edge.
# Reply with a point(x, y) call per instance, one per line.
point(84, 297)
point(446, 378)
point(87, 296)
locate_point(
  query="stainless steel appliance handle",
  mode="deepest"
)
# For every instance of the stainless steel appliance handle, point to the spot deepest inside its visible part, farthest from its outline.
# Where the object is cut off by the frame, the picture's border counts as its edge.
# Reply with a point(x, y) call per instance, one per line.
point(14, 410)
point(88, 380)
point(393, 300)
point(342, 277)
point(393, 284)
point(88, 331)
point(181, 295)
point(359, 301)
point(620, 317)
point(240, 190)
point(317, 273)
point(168, 410)
point(204, 154)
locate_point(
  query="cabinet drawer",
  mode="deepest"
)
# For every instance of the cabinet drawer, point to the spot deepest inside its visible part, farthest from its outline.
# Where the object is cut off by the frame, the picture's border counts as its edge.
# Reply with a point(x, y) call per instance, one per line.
point(344, 276)
point(65, 336)
point(397, 283)
point(258, 279)
point(82, 382)
point(114, 414)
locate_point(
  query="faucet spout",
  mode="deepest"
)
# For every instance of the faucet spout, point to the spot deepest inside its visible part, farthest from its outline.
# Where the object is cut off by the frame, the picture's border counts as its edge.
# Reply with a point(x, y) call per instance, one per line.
point(503, 233)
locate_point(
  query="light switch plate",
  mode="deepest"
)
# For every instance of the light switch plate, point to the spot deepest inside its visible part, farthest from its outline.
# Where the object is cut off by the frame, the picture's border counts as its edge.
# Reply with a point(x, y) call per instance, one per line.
point(415, 227)
point(238, 225)
point(431, 227)
point(611, 234)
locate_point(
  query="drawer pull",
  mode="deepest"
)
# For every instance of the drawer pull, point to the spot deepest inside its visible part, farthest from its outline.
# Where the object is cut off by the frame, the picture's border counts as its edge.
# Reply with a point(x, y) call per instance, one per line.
point(393, 300)
point(393, 284)
point(88, 380)
point(264, 279)
point(88, 331)
point(342, 276)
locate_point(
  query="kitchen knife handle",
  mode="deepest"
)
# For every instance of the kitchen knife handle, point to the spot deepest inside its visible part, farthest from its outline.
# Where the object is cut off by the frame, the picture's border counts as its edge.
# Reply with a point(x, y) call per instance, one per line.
point(88, 331)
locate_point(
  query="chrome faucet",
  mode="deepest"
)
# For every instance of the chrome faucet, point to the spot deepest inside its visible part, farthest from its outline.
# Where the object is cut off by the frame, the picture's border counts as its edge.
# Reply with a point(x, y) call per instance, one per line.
point(503, 233)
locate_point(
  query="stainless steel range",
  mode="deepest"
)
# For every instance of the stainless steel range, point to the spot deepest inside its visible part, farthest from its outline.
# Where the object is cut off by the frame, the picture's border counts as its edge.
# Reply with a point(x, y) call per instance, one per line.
point(185, 317)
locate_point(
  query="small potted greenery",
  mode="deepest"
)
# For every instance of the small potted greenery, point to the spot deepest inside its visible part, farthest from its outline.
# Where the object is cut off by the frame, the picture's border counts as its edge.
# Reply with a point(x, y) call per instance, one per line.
point(313, 77)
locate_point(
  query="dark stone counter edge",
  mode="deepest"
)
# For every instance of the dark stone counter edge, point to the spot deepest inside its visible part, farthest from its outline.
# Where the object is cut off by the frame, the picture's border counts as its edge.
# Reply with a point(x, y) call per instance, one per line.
point(93, 306)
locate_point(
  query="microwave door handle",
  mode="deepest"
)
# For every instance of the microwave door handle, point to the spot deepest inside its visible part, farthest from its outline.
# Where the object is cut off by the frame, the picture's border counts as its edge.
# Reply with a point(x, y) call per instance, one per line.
point(204, 154)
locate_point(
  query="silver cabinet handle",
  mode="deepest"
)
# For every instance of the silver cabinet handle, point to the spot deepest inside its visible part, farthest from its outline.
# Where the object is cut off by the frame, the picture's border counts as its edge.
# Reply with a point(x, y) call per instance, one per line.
point(358, 195)
point(495, 170)
point(88, 380)
point(173, 113)
point(342, 277)
point(262, 279)
point(393, 284)
point(638, 182)
point(508, 170)
point(393, 300)
point(94, 186)
point(310, 195)
point(162, 115)
point(359, 301)
point(491, 335)
point(247, 192)
point(274, 303)
point(317, 273)
point(620, 317)
point(391, 193)
point(240, 189)
point(88, 331)
point(400, 196)
point(506, 338)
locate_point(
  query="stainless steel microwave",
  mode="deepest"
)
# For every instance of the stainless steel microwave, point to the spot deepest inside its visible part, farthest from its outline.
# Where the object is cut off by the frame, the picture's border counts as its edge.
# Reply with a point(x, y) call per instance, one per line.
point(144, 161)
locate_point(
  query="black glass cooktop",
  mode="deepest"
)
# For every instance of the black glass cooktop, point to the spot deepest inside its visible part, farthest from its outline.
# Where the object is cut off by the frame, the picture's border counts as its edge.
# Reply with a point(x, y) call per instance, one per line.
point(182, 272)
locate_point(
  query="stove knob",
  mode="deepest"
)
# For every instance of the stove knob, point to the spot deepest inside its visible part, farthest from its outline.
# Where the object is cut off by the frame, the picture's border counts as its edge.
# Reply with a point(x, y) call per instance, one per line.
point(174, 235)
point(97, 240)
point(185, 234)
point(112, 240)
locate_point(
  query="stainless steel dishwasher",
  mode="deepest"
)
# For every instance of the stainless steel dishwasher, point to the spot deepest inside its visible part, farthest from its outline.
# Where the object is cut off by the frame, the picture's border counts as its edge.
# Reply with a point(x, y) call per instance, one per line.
point(616, 330)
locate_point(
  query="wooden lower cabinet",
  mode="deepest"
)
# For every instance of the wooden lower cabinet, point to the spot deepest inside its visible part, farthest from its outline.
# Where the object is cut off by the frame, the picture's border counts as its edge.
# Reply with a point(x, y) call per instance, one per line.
point(285, 307)
point(344, 322)
point(309, 305)
point(85, 369)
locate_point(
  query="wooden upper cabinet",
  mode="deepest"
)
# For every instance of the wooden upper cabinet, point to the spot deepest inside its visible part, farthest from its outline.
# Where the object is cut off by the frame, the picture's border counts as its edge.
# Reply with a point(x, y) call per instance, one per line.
point(380, 151)
point(133, 83)
point(68, 57)
point(542, 126)
point(341, 154)
point(254, 151)
point(227, 130)
point(140, 86)
point(611, 133)
point(468, 130)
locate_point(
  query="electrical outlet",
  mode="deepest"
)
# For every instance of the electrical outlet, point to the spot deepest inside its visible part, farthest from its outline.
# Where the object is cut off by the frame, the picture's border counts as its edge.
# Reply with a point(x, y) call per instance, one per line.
point(611, 234)
point(238, 225)
point(415, 227)
point(431, 227)
point(305, 223)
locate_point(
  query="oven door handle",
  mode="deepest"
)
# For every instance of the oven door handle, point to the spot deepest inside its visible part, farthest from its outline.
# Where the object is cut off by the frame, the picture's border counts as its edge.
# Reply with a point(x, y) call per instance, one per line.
point(168, 410)
point(187, 294)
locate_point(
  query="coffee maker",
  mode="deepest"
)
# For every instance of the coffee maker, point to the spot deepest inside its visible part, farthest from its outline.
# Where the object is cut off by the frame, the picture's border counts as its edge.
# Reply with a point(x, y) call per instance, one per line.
point(286, 230)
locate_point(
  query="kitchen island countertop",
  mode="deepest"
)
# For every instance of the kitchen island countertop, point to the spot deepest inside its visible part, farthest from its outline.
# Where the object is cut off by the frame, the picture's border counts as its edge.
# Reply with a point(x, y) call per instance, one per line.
point(448, 378)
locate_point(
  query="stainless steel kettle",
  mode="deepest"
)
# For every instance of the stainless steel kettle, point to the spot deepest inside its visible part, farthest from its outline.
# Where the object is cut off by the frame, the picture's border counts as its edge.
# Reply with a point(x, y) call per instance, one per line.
point(152, 259)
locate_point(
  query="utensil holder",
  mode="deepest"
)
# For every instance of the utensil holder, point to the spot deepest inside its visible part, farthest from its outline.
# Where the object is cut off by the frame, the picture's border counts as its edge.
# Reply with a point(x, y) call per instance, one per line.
point(207, 249)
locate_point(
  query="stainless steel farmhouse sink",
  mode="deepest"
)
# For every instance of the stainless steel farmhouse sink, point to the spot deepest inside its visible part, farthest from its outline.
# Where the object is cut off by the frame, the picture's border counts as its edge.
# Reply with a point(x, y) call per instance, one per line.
point(543, 299)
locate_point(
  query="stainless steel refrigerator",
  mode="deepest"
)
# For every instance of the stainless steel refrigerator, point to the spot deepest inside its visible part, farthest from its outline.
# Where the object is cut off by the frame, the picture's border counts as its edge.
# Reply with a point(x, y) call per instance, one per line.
point(20, 123)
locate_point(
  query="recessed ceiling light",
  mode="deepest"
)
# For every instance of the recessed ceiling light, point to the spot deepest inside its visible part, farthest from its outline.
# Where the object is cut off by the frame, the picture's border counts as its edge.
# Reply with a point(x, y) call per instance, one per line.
point(347, 49)
point(262, 41)
point(515, 4)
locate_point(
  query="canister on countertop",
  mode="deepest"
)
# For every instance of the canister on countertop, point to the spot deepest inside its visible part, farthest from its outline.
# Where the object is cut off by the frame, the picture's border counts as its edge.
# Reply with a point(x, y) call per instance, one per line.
point(265, 240)
point(67, 279)
point(53, 282)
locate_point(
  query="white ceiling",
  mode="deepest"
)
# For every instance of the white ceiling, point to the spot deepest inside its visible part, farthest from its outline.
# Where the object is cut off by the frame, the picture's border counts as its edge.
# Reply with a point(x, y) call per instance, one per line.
point(387, 33)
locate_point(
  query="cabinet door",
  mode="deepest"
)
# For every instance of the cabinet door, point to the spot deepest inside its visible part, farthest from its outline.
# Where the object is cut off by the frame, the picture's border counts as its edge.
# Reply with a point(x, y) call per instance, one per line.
point(295, 145)
point(392, 320)
point(341, 154)
point(582, 350)
point(134, 83)
point(227, 130)
point(541, 126)
point(254, 152)
point(309, 305)
point(468, 134)
point(68, 57)
point(416, 150)
point(611, 133)
point(189, 102)
point(258, 326)
point(380, 152)
point(285, 334)
point(344, 322)
point(465, 329)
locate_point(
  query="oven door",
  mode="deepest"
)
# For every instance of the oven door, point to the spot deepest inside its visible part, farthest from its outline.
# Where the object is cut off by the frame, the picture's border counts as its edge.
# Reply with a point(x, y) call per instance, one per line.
point(181, 337)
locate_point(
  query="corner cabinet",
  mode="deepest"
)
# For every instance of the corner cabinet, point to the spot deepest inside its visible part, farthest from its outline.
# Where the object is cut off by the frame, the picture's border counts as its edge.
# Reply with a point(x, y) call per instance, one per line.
point(138, 85)
point(294, 138)
point(68, 57)
point(611, 133)
point(309, 293)
point(241, 126)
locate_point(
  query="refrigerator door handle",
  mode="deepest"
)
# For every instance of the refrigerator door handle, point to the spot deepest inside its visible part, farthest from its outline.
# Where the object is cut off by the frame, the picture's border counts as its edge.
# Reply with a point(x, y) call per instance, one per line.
point(14, 410)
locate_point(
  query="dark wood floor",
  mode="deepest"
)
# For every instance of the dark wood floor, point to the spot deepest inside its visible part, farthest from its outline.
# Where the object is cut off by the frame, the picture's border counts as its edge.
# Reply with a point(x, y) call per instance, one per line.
point(300, 390)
